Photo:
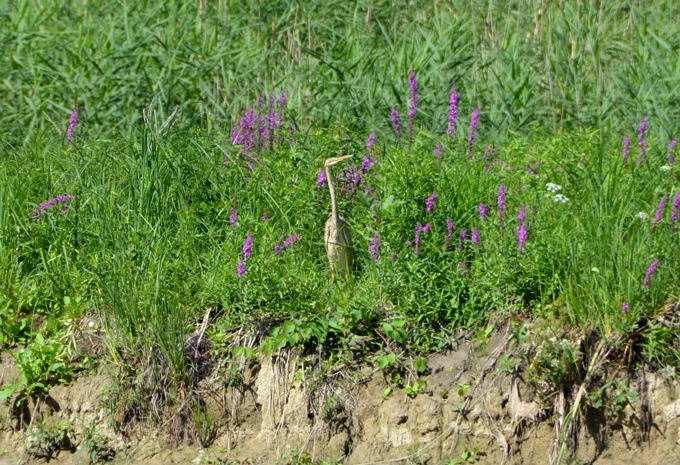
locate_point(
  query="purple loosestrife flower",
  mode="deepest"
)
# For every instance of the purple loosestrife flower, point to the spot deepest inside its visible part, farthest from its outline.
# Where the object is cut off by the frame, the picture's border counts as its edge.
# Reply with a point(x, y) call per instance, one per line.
point(483, 211)
point(419, 231)
point(287, 242)
point(650, 272)
point(233, 217)
point(283, 99)
point(248, 247)
point(463, 268)
point(472, 137)
point(438, 150)
point(374, 247)
point(370, 141)
point(396, 124)
point(676, 209)
point(241, 267)
point(367, 163)
point(659, 210)
point(642, 138)
point(350, 179)
point(413, 107)
point(65, 199)
point(449, 232)
point(453, 113)
point(476, 238)
point(242, 134)
point(522, 214)
point(71, 131)
point(429, 203)
point(321, 179)
point(671, 151)
point(502, 191)
point(626, 149)
point(625, 307)
point(522, 236)
point(462, 238)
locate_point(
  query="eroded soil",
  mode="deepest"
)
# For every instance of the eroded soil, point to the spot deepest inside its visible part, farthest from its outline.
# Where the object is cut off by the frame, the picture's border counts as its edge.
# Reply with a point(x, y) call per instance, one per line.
point(470, 409)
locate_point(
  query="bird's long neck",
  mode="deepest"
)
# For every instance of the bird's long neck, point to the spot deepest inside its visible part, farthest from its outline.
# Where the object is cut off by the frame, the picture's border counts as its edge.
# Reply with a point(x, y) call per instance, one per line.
point(331, 189)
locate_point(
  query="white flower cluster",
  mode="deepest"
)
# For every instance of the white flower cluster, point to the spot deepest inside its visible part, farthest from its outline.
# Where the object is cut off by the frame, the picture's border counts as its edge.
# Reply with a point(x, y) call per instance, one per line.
point(665, 168)
point(642, 216)
point(553, 188)
point(559, 198)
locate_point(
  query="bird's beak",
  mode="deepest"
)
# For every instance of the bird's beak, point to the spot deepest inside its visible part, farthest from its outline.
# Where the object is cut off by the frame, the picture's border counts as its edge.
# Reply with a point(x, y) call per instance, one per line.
point(335, 160)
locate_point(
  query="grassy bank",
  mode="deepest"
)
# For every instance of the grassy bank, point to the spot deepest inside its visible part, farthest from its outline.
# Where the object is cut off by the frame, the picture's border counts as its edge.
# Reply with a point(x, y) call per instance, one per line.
point(514, 161)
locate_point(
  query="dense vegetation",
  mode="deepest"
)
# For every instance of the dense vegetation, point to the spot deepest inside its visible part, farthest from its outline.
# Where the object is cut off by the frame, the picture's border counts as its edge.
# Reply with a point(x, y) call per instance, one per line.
point(161, 164)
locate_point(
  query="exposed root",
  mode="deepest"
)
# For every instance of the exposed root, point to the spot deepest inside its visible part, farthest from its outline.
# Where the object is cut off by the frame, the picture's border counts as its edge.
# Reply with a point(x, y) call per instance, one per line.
point(566, 426)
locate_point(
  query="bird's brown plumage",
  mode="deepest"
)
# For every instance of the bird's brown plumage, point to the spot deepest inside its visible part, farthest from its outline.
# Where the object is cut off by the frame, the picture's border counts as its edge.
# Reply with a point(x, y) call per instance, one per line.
point(337, 237)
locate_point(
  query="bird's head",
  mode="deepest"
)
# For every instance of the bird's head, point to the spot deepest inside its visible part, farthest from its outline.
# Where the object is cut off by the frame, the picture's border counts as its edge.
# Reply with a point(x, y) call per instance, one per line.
point(335, 160)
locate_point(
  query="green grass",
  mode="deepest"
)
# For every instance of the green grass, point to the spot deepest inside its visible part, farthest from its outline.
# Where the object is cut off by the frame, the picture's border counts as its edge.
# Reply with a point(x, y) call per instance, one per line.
point(147, 245)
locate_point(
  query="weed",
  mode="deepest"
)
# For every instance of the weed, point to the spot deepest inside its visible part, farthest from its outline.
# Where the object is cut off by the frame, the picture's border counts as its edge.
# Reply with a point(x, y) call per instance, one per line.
point(97, 446)
point(47, 440)
point(42, 364)
point(468, 456)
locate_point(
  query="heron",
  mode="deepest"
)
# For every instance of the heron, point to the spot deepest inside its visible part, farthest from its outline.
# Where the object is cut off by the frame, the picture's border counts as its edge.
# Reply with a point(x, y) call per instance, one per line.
point(337, 237)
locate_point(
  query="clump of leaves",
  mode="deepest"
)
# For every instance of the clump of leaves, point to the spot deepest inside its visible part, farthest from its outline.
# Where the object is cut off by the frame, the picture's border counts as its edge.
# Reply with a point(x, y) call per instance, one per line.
point(47, 441)
point(97, 446)
point(42, 364)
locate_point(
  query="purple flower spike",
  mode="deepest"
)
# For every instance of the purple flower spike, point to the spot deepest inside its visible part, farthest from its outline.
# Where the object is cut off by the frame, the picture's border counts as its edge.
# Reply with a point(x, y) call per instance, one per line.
point(659, 210)
point(419, 231)
point(626, 149)
point(429, 203)
point(472, 137)
point(476, 238)
point(370, 141)
point(449, 232)
point(438, 150)
point(625, 307)
point(642, 137)
point(65, 199)
point(462, 237)
point(463, 268)
point(676, 209)
point(522, 214)
point(367, 164)
point(321, 179)
point(248, 247)
point(502, 191)
point(396, 124)
point(671, 151)
point(287, 242)
point(374, 247)
point(483, 211)
point(233, 217)
point(522, 236)
point(650, 272)
point(453, 113)
point(241, 267)
point(71, 131)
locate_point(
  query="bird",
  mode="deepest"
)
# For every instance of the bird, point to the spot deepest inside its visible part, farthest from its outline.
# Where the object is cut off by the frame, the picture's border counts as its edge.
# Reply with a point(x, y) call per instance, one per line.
point(337, 236)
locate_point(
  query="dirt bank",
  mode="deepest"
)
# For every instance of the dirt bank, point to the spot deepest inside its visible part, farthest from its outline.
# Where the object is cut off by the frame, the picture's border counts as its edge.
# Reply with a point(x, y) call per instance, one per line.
point(469, 407)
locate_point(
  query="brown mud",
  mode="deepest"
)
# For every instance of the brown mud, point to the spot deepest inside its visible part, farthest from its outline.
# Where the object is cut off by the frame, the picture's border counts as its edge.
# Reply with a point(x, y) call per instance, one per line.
point(468, 408)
